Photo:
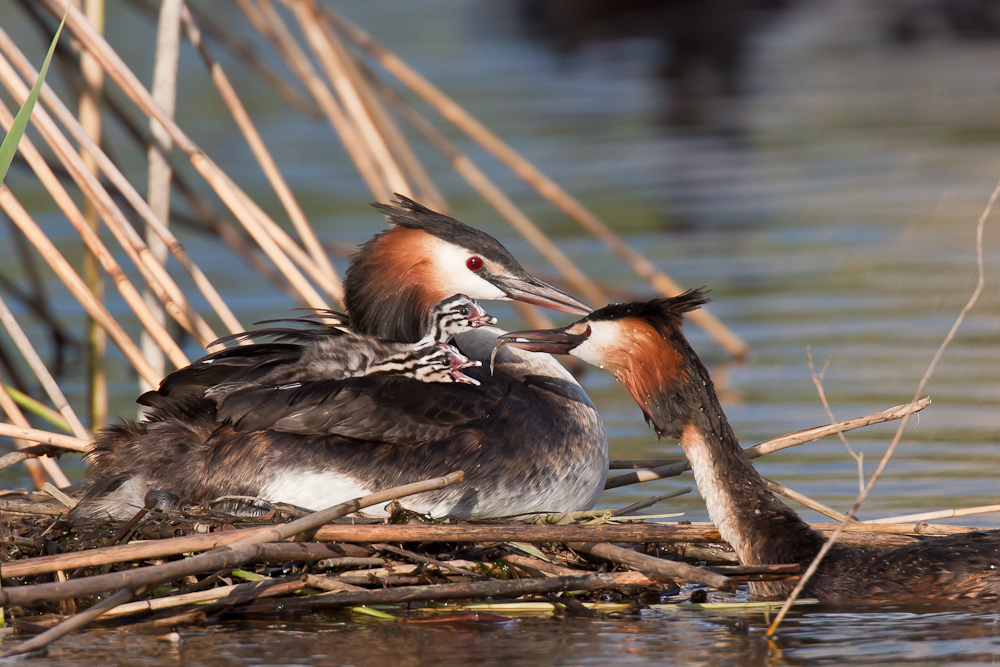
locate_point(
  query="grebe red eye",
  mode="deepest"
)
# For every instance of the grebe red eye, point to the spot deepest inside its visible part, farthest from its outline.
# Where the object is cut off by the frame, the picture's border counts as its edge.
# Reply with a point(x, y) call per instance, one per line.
point(474, 263)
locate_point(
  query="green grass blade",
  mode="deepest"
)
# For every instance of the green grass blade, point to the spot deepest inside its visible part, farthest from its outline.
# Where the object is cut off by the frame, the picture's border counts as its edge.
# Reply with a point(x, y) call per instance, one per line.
point(13, 138)
point(38, 408)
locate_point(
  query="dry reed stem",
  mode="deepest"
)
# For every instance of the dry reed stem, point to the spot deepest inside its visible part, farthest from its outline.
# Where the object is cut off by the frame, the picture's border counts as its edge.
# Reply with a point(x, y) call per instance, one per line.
point(45, 437)
point(428, 561)
point(270, 24)
point(159, 172)
point(898, 436)
point(210, 595)
point(939, 514)
point(89, 108)
point(330, 281)
point(530, 565)
point(225, 187)
point(325, 583)
point(17, 507)
point(76, 286)
point(90, 238)
point(131, 195)
point(776, 444)
point(528, 172)
point(153, 272)
point(38, 367)
point(918, 528)
point(648, 502)
point(651, 564)
point(657, 533)
point(35, 468)
point(331, 59)
point(818, 382)
point(805, 500)
point(504, 205)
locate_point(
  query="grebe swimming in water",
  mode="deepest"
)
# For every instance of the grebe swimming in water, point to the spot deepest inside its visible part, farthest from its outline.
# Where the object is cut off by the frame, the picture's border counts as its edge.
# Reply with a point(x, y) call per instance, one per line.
point(642, 345)
point(528, 439)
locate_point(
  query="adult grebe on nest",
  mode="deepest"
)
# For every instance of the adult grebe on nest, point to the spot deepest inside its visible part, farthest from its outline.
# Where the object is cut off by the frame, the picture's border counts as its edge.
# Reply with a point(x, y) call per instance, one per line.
point(642, 345)
point(528, 438)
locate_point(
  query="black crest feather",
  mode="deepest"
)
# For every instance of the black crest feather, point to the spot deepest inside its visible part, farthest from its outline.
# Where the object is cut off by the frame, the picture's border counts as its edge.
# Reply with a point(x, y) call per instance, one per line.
point(668, 310)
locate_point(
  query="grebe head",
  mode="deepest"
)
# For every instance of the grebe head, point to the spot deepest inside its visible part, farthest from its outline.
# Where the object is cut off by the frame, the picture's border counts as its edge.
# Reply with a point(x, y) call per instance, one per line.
point(454, 315)
point(436, 362)
point(641, 344)
point(397, 276)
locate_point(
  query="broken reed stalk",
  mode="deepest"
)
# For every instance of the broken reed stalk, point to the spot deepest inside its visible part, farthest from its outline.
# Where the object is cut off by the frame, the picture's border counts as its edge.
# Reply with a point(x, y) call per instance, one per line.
point(328, 278)
point(76, 285)
point(45, 437)
point(898, 436)
point(817, 379)
point(646, 533)
point(776, 444)
point(89, 109)
point(209, 595)
point(528, 172)
point(939, 514)
point(648, 502)
point(168, 292)
point(427, 561)
point(270, 24)
point(234, 197)
point(159, 172)
point(805, 500)
point(651, 564)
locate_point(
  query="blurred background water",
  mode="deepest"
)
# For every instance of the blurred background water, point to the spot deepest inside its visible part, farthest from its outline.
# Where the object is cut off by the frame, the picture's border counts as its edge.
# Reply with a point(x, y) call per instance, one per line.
point(820, 166)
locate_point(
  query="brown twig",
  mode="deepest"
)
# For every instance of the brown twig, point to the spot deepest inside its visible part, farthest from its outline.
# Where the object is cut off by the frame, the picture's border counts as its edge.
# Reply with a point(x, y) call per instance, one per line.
point(805, 500)
point(464, 590)
point(429, 561)
point(651, 564)
point(776, 444)
point(817, 379)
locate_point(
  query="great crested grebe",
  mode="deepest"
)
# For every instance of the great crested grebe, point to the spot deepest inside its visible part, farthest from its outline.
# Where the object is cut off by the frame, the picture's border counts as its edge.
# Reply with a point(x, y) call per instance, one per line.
point(528, 438)
point(642, 345)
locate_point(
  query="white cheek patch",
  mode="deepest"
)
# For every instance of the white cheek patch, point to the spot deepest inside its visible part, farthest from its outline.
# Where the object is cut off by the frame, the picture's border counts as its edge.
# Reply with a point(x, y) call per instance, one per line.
point(604, 336)
point(456, 278)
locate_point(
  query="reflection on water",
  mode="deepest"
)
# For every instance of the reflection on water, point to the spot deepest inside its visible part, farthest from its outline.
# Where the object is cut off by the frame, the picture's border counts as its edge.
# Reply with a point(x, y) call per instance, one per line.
point(863, 637)
point(840, 216)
